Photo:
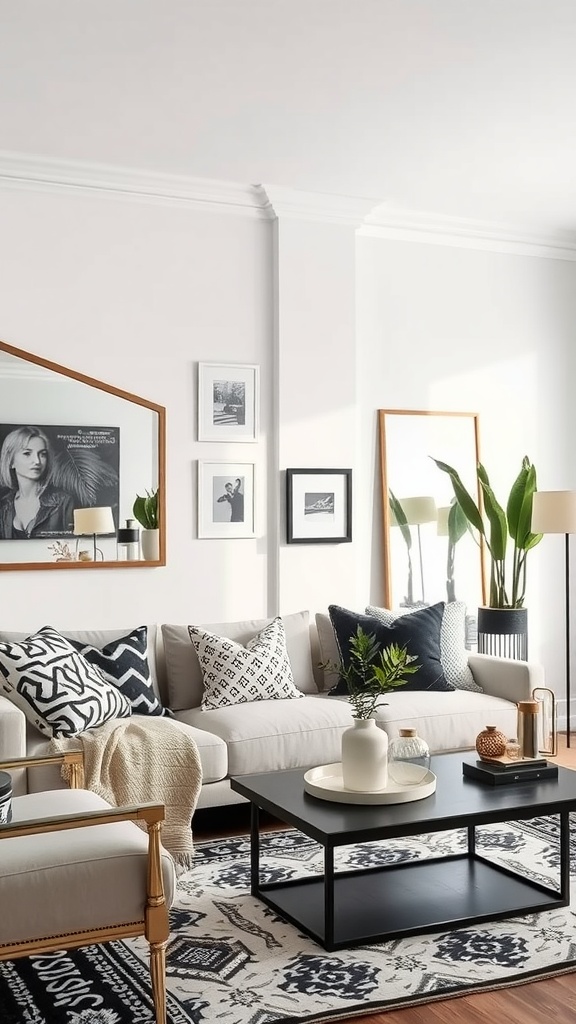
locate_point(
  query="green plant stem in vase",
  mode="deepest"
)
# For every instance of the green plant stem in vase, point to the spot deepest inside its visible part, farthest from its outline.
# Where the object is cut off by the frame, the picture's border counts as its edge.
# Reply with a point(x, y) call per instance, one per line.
point(374, 672)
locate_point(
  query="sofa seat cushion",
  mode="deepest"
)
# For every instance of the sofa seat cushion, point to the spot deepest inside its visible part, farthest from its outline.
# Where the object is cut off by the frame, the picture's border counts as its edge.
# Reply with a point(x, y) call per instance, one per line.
point(84, 878)
point(277, 734)
point(212, 751)
point(447, 721)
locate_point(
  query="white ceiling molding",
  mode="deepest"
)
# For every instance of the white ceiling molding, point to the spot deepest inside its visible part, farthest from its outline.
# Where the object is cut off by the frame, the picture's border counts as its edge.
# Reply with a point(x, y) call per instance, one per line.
point(301, 205)
point(523, 240)
point(372, 217)
point(18, 170)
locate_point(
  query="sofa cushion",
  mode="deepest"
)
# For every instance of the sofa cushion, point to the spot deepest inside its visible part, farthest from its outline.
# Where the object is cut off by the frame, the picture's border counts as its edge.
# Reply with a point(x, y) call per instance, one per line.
point(453, 653)
point(184, 675)
point(56, 688)
point(234, 674)
point(277, 734)
point(124, 664)
point(420, 633)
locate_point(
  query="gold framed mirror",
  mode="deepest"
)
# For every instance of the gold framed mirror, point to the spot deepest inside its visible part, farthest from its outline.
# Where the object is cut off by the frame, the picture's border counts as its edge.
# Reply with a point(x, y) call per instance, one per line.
point(422, 565)
point(74, 454)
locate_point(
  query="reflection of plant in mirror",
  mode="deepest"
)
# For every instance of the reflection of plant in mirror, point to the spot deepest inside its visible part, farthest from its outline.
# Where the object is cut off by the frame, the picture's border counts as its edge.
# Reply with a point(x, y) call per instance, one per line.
point(514, 523)
point(457, 526)
point(145, 510)
point(61, 551)
point(399, 519)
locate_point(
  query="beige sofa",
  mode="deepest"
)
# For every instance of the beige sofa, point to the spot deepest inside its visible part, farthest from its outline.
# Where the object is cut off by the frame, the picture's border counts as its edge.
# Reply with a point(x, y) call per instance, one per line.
point(270, 735)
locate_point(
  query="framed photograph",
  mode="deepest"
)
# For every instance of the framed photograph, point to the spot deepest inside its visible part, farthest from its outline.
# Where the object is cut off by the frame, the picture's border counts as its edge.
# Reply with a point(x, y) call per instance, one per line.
point(228, 402)
point(226, 499)
point(318, 506)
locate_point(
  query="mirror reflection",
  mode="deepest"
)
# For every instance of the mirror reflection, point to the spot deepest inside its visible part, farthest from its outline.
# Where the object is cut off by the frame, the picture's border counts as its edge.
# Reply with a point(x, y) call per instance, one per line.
point(74, 453)
point(429, 553)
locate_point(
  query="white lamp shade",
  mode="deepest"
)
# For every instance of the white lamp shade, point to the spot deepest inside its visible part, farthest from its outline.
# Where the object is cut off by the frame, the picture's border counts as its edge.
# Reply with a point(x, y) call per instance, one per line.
point(93, 521)
point(554, 512)
point(442, 520)
point(418, 510)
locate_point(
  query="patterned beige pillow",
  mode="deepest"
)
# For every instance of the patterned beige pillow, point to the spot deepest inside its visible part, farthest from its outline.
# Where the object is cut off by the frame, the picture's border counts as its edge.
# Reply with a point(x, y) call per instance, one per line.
point(234, 674)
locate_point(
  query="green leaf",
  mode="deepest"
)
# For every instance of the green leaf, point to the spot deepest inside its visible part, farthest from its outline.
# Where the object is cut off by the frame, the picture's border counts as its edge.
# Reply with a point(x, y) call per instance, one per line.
point(464, 499)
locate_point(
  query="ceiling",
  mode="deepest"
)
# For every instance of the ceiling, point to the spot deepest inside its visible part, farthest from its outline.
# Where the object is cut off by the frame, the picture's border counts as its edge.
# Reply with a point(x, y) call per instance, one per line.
point(452, 107)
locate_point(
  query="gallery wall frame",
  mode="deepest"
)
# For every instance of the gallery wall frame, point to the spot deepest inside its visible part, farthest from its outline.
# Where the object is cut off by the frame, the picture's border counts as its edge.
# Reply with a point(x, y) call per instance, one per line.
point(228, 401)
point(318, 506)
point(226, 499)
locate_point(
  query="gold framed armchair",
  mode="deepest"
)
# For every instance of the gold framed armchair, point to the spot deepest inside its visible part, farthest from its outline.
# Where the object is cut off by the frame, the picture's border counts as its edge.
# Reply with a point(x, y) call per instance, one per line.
point(108, 880)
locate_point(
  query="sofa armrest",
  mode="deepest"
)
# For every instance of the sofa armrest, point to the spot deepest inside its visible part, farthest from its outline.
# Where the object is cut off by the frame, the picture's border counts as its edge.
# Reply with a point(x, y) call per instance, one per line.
point(12, 730)
point(505, 677)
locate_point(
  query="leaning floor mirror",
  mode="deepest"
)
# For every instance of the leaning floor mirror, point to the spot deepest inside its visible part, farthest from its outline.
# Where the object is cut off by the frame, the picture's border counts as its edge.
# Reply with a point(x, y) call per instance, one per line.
point(74, 454)
point(428, 556)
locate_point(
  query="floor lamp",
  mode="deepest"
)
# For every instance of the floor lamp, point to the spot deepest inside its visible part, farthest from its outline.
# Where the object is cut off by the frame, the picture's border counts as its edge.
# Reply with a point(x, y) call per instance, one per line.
point(419, 510)
point(555, 512)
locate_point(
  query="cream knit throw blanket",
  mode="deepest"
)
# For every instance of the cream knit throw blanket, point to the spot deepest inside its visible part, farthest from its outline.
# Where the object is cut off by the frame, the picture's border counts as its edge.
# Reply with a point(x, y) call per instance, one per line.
point(142, 760)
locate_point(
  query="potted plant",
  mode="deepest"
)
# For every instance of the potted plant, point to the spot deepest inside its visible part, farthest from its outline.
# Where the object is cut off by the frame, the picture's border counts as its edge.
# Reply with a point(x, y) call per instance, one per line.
point(145, 510)
point(496, 526)
point(370, 673)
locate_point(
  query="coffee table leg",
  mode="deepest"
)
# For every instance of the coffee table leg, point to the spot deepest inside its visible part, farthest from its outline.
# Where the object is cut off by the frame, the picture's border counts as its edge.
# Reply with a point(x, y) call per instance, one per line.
point(254, 850)
point(471, 840)
point(565, 855)
point(329, 897)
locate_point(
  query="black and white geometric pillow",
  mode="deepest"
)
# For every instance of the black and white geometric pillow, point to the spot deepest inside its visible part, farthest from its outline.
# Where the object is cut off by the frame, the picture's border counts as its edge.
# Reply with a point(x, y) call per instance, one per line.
point(56, 688)
point(233, 674)
point(124, 664)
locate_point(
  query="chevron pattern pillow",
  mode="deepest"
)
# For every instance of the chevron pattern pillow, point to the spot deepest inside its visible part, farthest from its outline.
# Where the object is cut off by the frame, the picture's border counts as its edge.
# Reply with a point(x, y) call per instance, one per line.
point(56, 688)
point(124, 664)
point(234, 674)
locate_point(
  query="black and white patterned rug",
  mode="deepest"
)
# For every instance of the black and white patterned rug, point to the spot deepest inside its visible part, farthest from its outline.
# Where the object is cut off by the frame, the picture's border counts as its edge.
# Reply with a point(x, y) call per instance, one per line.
point(231, 960)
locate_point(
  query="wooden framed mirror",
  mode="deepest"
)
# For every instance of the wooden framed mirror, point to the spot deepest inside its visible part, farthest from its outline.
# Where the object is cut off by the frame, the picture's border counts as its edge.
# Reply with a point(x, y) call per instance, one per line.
point(79, 444)
point(421, 566)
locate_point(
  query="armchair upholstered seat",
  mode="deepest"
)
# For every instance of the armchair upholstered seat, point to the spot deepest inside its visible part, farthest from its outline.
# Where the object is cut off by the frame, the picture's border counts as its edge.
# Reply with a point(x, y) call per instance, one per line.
point(75, 871)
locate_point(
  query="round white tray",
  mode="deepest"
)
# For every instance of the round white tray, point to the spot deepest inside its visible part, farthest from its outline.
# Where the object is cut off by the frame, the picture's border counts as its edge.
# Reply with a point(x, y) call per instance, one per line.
point(325, 782)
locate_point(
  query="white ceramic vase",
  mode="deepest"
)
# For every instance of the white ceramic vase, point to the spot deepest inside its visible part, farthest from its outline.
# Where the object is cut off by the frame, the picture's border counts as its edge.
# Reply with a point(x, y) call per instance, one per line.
point(364, 756)
point(150, 545)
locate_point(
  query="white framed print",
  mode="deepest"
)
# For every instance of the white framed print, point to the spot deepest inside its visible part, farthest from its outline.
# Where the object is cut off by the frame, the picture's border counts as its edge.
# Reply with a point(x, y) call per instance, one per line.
point(228, 401)
point(226, 499)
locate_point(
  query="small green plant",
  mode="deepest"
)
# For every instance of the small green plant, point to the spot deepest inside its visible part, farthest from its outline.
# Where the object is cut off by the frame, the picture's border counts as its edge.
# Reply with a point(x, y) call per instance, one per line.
point(145, 510)
point(374, 671)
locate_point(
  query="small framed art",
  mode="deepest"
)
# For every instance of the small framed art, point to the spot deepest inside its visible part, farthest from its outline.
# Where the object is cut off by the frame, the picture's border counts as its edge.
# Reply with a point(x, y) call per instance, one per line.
point(318, 506)
point(226, 499)
point(228, 402)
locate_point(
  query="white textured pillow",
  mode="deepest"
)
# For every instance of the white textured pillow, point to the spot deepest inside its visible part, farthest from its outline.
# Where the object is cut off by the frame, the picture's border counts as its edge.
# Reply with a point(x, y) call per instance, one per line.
point(56, 688)
point(184, 673)
point(453, 653)
point(234, 674)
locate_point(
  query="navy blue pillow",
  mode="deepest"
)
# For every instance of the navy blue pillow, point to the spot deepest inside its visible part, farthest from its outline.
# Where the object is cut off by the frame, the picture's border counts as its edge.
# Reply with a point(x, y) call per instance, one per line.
point(419, 632)
point(124, 664)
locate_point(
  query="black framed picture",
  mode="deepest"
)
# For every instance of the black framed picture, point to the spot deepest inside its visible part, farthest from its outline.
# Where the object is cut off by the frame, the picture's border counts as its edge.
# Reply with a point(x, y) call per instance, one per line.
point(318, 506)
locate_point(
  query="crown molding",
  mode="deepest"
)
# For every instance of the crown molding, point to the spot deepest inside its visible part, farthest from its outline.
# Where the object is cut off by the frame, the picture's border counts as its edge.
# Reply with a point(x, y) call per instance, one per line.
point(371, 217)
point(18, 170)
point(298, 204)
point(466, 233)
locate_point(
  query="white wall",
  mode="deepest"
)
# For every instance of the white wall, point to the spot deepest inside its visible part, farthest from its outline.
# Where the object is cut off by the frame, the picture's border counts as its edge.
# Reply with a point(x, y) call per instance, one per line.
point(136, 293)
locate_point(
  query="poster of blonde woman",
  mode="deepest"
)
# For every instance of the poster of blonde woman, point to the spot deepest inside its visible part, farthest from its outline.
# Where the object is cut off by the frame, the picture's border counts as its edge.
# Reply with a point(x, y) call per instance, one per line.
point(47, 471)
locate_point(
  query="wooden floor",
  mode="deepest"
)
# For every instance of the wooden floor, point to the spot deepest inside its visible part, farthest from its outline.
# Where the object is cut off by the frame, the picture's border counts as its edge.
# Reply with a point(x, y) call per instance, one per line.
point(536, 1003)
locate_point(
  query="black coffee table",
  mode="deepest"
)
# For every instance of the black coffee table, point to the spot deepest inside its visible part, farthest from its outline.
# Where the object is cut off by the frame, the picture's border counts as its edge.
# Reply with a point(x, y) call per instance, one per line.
point(350, 908)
